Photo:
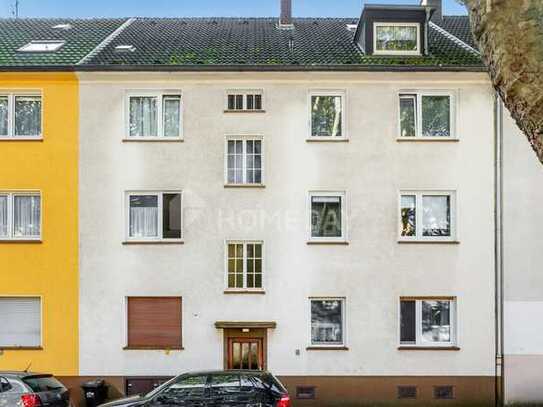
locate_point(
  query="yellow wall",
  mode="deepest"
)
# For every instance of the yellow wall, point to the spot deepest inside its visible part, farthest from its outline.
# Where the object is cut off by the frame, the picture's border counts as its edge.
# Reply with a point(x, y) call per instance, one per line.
point(48, 269)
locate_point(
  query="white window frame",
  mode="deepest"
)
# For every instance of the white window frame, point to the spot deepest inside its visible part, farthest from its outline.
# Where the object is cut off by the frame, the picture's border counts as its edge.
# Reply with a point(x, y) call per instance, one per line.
point(28, 46)
point(244, 139)
point(159, 194)
point(418, 113)
point(418, 215)
point(244, 288)
point(328, 92)
point(11, 218)
point(394, 52)
point(419, 342)
point(159, 95)
point(343, 196)
point(12, 95)
point(343, 323)
point(243, 92)
point(40, 298)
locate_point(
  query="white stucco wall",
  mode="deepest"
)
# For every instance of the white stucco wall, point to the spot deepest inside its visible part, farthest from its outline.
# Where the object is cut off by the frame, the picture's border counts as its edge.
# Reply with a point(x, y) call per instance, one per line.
point(523, 259)
point(372, 272)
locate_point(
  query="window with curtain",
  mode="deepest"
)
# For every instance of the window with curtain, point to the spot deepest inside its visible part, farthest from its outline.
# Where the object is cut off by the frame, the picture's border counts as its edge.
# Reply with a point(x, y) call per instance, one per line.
point(244, 161)
point(244, 265)
point(327, 115)
point(327, 215)
point(154, 215)
point(426, 115)
point(427, 215)
point(327, 321)
point(20, 322)
point(20, 216)
point(427, 321)
point(155, 116)
point(396, 38)
point(20, 115)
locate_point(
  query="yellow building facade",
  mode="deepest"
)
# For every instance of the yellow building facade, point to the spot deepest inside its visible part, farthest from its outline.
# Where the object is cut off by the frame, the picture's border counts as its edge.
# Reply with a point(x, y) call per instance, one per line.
point(44, 267)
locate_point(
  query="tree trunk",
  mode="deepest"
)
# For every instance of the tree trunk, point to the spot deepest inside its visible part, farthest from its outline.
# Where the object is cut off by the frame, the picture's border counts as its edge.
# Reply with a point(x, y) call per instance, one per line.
point(510, 37)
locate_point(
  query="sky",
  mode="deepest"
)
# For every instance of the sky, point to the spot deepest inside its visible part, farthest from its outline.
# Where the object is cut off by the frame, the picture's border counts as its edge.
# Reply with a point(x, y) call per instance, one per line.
point(197, 8)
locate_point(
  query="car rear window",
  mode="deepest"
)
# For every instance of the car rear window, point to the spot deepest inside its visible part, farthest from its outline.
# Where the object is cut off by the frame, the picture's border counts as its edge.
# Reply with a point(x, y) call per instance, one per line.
point(43, 383)
point(269, 382)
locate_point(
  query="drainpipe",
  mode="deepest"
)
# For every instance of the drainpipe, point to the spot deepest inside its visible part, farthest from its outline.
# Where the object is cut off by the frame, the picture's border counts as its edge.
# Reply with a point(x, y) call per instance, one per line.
point(498, 251)
point(429, 12)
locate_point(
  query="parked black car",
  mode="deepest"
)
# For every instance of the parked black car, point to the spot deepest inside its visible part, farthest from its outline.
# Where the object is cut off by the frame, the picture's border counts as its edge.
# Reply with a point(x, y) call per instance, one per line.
point(23, 389)
point(230, 388)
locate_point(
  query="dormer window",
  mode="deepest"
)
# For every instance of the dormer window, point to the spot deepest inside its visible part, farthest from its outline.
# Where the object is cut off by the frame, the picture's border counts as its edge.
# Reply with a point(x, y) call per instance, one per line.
point(42, 46)
point(396, 38)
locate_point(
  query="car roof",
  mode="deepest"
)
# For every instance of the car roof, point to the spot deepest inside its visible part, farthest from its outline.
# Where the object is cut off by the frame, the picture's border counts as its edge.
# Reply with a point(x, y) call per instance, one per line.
point(21, 375)
point(224, 372)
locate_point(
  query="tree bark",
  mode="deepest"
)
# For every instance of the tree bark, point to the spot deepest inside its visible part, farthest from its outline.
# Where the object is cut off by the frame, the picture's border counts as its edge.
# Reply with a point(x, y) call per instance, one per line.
point(510, 38)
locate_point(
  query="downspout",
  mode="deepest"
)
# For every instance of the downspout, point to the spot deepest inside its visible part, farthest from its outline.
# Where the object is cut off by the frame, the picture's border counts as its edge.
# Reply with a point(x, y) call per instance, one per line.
point(426, 28)
point(498, 252)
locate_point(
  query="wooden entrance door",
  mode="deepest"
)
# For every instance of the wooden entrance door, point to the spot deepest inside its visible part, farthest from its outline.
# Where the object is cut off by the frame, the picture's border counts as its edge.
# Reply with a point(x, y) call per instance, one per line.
point(245, 353)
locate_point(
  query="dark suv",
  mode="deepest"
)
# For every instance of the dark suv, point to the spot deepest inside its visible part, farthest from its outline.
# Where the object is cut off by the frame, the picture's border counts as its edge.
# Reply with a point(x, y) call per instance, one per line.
point(230, 388)
point(23, 389)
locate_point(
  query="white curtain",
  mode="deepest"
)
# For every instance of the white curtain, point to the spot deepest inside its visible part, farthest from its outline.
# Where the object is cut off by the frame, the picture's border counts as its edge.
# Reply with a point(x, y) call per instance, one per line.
point(143, 117)
point(144, 221)
point(20, 321)
point(4, 116)
point(27, 115)
point(26, 215)
point(172, 116)
point(3, 215)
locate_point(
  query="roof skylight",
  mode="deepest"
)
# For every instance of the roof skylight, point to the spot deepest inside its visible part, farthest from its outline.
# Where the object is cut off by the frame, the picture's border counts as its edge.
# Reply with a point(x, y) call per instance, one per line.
point(125, 48)
point(64, 26)
point(42, 46)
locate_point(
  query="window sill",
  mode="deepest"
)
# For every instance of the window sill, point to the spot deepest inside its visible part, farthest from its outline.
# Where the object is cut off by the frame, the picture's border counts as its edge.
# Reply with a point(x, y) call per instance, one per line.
point(415, 347)
point(243, 291)
point(325, 139)
point(429, 241)
point(327, 348)
point(428, 139)
point(153, 140)
point(21, 138)
point(328, 242)
point(161, 348)
point(21, 241)
point(151, 242)
point(244, 186)
point(243, 111)
point(3, 348)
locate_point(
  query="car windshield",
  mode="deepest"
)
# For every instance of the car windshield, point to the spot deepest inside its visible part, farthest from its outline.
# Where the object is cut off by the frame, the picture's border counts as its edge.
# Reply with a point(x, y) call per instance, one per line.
point(43, 383)
point(154, 392)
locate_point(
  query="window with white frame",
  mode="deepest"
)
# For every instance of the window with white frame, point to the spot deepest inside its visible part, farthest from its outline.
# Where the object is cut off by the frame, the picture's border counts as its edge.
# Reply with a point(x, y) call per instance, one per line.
point(244, 161)
point(428, 322)
point(249, 100)
point(427, 115)
point(327, 321)
point(20, 215)
point(20, 322)
point(244, 264)
point(20, 115)
point(427, 215)
point(327, 114)
point(154, 215)
point(42, 46)
point(396, 38)
point(327, 217)
point(155, 116)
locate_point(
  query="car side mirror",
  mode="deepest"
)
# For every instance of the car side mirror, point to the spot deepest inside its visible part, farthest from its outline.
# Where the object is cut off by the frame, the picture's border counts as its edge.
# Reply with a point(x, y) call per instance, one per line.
point(5, 386)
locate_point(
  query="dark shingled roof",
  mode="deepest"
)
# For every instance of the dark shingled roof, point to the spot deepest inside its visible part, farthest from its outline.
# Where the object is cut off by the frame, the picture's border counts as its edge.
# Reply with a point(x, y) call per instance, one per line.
point(81, 39)
point(458, 26)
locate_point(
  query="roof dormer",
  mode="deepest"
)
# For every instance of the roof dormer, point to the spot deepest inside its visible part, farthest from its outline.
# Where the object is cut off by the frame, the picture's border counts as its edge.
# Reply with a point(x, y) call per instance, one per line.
point(393, 30)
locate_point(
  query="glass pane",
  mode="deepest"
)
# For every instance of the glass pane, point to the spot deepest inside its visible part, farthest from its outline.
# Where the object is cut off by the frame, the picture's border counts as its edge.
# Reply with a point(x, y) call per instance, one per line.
point(407, 322)
point(250, 102)
point(235, 162)
point(3, 215)
point(436, 116)
point(396, 38)
point(408, 116)
point(326, 322)
point(258, 102)
point(436, 215)
point(239, 102)
point(231, 102)
point(408, 208)
point(236, 355)
point(436, 317)
point(253, 362)
point(28, 116)
point(326, 116)
point(26, 216)
point(178, 392)
point(172, 116)
point(4, 112)
point(171, 216)
point(245, 355)
point(326, 216)
point(143, 216)
point(224, 384)
point(143, 117)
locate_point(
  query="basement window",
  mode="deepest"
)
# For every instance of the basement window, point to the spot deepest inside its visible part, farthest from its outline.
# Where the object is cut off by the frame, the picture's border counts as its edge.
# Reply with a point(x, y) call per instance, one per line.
point(42, 46)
